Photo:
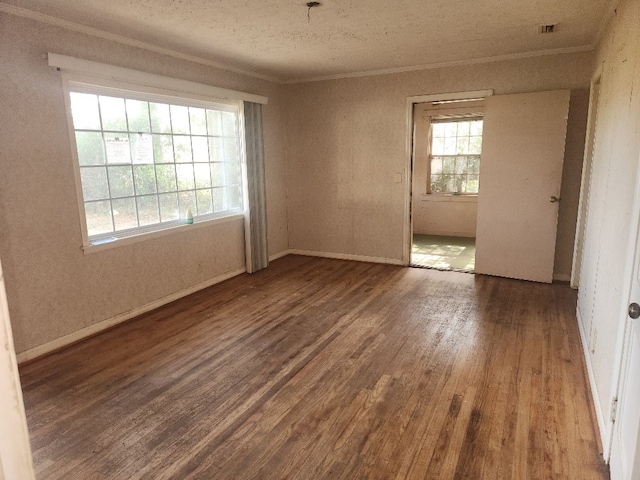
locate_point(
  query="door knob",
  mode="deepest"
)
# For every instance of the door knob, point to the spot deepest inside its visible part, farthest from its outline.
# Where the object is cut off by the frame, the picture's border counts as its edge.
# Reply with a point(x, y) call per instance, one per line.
point(554, 199)
point(634, 310)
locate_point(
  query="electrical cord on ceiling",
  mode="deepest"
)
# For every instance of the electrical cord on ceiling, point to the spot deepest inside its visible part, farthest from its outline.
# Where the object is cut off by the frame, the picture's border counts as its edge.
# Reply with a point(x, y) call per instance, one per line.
point(310, 5)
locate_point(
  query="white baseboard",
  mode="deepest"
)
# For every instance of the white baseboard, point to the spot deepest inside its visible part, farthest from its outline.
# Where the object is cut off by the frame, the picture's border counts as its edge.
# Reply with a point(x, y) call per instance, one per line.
point(347, 256)
point(602, 423)
point(561, 277)
point(447, 233)
point(617, 468)
point(122, 317)
point(276, 256)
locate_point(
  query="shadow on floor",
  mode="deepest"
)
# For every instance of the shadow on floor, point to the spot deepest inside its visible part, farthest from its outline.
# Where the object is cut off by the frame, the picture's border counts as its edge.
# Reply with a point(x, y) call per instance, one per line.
point(443, 253)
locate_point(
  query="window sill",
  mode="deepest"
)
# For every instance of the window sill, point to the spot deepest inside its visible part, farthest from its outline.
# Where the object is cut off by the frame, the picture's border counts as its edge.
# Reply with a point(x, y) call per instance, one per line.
point(121, 242)
point(448, 197)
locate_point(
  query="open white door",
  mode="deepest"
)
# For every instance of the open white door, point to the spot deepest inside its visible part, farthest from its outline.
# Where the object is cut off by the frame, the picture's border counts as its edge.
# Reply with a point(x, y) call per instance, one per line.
point(520, 177)
point(625, 450)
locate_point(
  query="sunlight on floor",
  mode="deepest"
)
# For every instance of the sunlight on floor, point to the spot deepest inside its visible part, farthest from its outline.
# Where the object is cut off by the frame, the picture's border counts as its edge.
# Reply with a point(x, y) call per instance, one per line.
point(443, 253)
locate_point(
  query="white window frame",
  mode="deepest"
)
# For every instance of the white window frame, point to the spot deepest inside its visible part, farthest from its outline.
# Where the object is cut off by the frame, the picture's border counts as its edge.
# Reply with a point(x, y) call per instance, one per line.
point(449, 119)
point(144, 86)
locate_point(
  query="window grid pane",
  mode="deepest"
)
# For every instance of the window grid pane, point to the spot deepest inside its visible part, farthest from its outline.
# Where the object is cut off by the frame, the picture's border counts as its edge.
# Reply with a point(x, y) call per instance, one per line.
point(454, 174)
point(455, 151)
point(145, 163)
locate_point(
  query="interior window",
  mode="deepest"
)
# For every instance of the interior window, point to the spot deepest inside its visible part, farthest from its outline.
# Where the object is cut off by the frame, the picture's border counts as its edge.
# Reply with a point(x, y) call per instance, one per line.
point(455, 149)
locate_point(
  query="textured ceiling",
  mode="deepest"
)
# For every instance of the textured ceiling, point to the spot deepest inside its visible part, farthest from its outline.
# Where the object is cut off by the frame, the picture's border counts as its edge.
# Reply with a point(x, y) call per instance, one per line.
point(275, 38)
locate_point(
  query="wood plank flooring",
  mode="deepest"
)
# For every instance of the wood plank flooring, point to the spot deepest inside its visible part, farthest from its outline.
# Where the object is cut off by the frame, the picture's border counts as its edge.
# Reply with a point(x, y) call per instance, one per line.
point(317, 368)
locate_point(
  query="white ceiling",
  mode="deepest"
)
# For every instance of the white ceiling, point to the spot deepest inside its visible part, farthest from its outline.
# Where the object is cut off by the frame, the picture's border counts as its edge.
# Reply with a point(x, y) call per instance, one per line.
point(275, 39)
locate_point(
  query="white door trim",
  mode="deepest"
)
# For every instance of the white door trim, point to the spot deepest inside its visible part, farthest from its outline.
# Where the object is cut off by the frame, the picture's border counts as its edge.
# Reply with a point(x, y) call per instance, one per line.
point(585, 182)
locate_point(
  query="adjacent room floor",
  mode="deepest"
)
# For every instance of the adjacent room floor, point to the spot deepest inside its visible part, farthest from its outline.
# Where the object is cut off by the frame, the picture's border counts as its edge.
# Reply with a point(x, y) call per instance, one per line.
point(443, 253)
point(318, 368)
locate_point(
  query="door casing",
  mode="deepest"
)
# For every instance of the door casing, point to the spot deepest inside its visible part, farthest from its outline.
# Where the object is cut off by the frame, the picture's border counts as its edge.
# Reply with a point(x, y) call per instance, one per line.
point(407, 231)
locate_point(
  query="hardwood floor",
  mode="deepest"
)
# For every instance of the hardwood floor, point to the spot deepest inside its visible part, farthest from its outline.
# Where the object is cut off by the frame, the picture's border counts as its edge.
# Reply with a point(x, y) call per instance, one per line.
point(317, 368)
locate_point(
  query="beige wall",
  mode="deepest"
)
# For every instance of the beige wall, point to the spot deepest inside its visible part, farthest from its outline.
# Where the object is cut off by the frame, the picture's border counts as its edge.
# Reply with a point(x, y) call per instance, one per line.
point(346, 143)
point(445, 215)
point(608, 246)
point(53, 288)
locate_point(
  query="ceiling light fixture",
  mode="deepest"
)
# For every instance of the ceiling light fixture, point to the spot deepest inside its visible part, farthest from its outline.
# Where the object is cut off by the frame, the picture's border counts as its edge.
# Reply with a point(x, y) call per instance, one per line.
point(311, 5)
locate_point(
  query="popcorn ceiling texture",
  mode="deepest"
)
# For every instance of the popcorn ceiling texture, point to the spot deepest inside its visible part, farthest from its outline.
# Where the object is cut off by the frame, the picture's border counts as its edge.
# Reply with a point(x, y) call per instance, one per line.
point(275, 37)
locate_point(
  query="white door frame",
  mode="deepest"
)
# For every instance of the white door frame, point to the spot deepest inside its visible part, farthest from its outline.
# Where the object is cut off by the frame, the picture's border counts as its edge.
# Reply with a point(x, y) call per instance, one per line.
point(15, 450)
point(407, 230)
point(585, 182)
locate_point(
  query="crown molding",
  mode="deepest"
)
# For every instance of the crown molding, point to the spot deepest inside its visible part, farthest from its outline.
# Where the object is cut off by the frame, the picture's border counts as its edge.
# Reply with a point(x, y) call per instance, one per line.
point(95, 32)
point(454, 63)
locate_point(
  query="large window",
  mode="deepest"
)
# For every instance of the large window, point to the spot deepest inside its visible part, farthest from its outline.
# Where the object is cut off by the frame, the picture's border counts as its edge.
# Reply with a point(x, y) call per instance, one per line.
point(455, 149)
point(149, 162)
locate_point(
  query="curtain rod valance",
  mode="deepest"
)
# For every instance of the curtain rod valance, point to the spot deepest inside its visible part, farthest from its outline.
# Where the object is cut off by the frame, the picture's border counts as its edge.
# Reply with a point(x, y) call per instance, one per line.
point(102, 70)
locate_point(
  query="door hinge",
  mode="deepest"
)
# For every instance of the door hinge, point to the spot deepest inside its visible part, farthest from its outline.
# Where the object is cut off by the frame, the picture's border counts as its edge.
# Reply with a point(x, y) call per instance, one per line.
point(614, 409)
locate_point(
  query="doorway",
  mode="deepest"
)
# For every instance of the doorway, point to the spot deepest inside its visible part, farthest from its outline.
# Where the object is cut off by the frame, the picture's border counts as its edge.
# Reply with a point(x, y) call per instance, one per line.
point(523, 147)
point(446, 178)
